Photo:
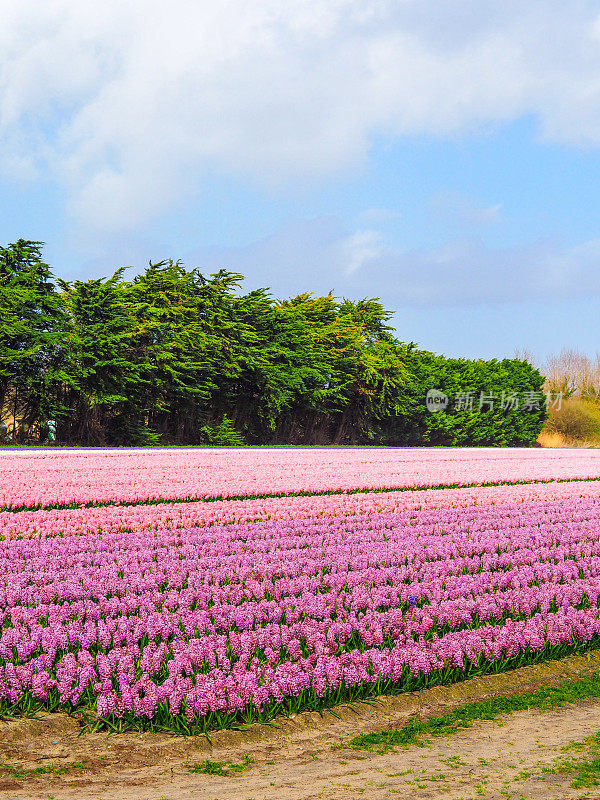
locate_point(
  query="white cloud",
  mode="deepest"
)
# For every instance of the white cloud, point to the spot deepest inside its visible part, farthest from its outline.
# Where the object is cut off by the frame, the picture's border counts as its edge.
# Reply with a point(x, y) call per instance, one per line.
point(359, 249)
point(468, 272)
point(322, 255)
point(130, 104)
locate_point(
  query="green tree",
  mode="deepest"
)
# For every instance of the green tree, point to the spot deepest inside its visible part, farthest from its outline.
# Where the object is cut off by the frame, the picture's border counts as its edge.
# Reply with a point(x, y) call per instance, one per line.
point(465, 423)
point(31, 342)
point(173, 356)
point(105, 368)
point(187, 333)
point(369, 369)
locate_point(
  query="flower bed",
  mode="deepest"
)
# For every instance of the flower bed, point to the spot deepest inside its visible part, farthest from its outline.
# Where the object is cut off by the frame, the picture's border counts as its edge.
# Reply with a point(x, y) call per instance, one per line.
point(159, 516)
point(189, 628)
point(35, 479)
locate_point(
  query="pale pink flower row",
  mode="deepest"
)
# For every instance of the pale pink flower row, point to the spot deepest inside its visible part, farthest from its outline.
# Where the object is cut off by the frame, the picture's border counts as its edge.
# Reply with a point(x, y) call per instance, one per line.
point(30, 478)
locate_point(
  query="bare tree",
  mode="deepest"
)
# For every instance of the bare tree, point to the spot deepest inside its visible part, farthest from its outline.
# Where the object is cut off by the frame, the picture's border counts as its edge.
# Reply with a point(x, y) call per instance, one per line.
point(574, 374)
point(524, 354)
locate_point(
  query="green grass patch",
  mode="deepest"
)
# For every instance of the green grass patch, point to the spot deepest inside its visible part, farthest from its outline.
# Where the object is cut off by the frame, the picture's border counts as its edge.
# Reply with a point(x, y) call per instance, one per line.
point(15, 771)
point(209, 767)
point(415, 731)
point(585, 771)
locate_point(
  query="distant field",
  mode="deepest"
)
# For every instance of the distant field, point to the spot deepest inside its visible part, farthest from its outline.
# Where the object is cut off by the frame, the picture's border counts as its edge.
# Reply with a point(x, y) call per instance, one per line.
point(34, 478)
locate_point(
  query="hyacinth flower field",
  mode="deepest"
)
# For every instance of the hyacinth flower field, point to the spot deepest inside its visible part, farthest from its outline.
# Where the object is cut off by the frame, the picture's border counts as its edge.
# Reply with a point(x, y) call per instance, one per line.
point(187, 590)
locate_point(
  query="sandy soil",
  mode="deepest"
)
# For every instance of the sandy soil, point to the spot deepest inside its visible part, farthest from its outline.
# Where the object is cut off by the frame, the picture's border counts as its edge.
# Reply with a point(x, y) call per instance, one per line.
point(304, 757)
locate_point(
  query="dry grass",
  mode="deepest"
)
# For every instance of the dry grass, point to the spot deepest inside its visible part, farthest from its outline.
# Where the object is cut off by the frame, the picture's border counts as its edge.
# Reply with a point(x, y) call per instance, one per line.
point(576, 378)
point(575, 424)
point(548, 439)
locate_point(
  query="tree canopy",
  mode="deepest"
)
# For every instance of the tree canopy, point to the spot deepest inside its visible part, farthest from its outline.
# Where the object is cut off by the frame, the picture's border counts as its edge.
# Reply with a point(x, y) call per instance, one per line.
point(175, 357)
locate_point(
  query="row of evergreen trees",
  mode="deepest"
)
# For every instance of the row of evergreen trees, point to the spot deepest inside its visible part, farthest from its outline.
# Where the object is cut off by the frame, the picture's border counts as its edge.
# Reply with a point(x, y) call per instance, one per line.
point(174, 357)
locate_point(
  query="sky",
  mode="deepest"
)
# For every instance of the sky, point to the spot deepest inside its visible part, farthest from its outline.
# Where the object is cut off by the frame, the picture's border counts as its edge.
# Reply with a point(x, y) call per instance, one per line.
point(442, 155)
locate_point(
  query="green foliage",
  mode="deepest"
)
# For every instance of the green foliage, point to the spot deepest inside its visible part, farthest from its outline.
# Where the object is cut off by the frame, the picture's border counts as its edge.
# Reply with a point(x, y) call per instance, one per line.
point(464, 716)
point(585, 769)
point(222, 435)
point(31, 335)
point(102, 363)
point(209, 767)
point(15, 771)
point(174, 357)
point(465, 423)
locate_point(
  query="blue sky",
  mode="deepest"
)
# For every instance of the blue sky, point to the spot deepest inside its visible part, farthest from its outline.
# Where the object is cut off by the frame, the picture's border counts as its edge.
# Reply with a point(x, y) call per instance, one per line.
point(443, 155)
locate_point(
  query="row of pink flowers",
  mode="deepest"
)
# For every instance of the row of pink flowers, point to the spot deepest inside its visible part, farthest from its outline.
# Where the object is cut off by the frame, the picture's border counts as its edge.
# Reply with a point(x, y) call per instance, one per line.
point(224, 617)
point(33, 478)
point(199, 513)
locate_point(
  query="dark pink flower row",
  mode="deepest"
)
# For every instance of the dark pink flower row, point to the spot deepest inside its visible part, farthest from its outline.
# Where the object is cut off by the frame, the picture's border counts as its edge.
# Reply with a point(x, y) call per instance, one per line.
point(222, 618)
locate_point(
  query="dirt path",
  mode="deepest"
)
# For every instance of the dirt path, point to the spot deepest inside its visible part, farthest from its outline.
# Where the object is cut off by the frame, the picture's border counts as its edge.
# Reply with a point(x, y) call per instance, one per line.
point(302, 759)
